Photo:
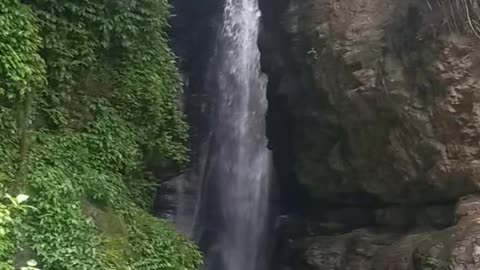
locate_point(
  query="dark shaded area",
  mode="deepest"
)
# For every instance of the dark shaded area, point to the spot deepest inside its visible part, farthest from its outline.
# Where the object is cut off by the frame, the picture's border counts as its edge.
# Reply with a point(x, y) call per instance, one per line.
point(192, 37)
point(193, 32)
point(283, 89)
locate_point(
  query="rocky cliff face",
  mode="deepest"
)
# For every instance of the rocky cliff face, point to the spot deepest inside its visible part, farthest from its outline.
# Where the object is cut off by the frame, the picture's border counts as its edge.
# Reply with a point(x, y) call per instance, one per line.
point(379, 106)
point(383, 97)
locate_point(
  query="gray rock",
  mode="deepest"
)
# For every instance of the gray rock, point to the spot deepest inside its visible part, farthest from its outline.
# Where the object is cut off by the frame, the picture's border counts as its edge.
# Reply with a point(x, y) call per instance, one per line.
point(367, 249)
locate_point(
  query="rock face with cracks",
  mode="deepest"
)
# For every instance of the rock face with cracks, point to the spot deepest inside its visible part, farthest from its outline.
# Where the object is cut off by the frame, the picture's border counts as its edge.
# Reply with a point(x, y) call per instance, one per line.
point(383, 97)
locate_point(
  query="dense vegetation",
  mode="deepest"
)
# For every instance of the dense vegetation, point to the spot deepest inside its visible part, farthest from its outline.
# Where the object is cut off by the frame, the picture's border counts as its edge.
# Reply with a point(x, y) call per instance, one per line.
point(88, 94)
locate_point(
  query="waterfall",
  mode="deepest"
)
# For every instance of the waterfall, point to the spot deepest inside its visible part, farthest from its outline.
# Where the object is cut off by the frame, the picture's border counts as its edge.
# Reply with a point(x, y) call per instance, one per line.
point(234, 175)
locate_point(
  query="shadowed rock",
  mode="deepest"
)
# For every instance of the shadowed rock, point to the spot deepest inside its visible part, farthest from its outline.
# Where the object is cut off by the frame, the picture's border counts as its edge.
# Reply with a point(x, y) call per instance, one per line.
point(456, 247)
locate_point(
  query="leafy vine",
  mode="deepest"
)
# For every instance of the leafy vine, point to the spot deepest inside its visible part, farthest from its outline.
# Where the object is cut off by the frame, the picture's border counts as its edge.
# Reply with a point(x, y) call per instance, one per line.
point(88, 89)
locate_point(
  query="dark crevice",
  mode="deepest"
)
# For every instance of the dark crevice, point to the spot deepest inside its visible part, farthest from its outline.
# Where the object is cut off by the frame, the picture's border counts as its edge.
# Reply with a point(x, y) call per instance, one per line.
point(279, 65)
point(193, 32)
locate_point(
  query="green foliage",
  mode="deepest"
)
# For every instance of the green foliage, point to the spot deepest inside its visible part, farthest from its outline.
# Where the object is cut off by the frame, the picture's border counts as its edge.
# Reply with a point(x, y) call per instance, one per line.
point(21, 68)
point(69, 40)
point(91, 165)
point(22, 73)
point(87, 89)
point(11, 212)
point(118, 49)
point(148, 75)
point(8, 147)
point(151, 234)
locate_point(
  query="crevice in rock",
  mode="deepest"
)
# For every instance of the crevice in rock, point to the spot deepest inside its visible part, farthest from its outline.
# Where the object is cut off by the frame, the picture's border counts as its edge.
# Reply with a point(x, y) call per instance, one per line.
point(283, 89)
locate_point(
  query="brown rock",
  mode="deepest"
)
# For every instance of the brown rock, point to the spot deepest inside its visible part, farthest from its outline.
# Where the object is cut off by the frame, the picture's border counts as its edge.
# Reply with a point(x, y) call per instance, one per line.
point(386, 100)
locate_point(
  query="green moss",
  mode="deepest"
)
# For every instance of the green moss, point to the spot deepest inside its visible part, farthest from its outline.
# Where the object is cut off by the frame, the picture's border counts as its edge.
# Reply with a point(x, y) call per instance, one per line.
point(114, 234)
point(105, 219)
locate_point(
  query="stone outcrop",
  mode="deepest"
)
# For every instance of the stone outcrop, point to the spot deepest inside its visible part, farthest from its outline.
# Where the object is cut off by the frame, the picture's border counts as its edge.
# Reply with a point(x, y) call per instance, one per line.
point(384, 98)
point(374, 248)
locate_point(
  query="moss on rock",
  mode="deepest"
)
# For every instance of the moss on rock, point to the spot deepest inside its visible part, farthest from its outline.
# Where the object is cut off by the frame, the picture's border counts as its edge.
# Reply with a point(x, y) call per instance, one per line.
point(114, 233)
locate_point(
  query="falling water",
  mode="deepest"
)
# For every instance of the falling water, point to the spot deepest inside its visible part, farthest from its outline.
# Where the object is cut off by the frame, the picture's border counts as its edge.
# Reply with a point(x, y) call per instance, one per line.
point(235, 179)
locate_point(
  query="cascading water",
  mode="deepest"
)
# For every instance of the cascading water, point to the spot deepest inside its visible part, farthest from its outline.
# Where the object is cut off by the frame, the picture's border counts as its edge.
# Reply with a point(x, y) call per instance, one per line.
point(234, 173)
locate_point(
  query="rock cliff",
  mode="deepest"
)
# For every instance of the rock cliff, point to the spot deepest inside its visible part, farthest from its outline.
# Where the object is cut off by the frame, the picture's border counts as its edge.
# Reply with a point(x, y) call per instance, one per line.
point(377, 103)
point(383, 97)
